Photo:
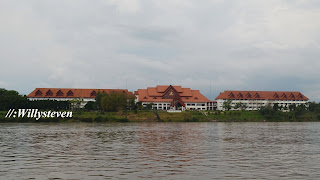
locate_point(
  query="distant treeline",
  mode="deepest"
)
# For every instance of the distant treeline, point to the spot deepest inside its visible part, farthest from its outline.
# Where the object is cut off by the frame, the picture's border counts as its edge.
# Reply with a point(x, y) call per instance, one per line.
point(308, 112)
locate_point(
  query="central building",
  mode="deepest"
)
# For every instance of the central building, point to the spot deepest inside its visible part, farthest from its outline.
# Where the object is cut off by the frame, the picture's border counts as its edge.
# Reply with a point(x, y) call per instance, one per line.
point(174, 98)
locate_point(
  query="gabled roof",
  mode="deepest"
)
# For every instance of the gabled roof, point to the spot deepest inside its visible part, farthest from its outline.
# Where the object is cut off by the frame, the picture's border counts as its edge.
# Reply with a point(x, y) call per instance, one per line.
point(196, 97)
point(156, 94)
point(161, 88)
point(269, 95)
point(72, 93)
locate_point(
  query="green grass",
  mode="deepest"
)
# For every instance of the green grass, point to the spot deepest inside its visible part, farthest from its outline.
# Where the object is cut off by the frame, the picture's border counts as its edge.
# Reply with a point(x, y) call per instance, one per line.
point(235, 116)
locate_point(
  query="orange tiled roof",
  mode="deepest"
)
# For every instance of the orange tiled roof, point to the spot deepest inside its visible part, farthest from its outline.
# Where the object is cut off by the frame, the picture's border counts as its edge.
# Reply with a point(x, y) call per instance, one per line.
point(269, 95)
point(161, 88)
point(71, 93)
point(155, 94)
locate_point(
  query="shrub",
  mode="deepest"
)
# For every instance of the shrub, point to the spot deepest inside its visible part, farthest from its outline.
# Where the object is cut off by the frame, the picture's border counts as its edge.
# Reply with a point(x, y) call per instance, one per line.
point(85, 119)
point(98, 119)
point(123, 120)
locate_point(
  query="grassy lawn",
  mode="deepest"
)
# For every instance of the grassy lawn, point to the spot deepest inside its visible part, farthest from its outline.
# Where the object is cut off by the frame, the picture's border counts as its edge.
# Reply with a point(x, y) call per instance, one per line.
point(236, 116)
point(144, 116)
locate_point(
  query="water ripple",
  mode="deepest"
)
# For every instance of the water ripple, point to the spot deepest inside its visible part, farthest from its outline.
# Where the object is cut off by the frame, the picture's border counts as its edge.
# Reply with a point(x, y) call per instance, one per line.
point(160, 151)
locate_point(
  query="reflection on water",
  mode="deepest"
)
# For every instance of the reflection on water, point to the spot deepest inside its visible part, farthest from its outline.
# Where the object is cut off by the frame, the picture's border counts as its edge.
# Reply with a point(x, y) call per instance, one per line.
point(160, 151)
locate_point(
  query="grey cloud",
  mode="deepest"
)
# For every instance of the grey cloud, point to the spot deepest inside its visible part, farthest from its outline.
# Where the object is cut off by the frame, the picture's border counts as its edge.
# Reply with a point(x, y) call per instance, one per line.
point(265, 45)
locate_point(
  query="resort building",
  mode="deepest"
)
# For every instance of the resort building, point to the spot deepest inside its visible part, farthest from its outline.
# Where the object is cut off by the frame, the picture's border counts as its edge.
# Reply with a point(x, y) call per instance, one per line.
point(254, 100)
point(60, 94)
point(174, 98)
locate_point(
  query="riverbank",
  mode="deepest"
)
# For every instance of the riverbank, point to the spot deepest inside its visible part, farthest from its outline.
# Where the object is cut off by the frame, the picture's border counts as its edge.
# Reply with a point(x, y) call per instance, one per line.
point(130, 116)
point(150, 116)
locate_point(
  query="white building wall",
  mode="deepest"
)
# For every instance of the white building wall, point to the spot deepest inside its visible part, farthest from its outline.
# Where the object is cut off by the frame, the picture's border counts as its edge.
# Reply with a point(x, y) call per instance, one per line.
point(257, 104)
point(196, 106)
point(188, 105)
point(85, 100)
point(158, 105)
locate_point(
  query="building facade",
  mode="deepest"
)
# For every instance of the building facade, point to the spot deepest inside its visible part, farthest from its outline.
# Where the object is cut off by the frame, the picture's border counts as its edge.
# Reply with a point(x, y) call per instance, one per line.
point(60, 94)
point(174, 98)
point(254, 100)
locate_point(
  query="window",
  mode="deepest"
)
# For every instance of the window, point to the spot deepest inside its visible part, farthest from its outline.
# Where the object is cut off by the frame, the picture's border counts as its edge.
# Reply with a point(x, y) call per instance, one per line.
point(292, 96)
point(59, 93)
point(284, 96)
point(49, 93)
point(69, 93)
point(93, 93)
point(38, 93)
point(231, 95)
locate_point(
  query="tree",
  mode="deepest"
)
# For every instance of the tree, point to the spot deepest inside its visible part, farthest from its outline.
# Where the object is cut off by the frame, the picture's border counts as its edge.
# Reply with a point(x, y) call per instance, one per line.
point(98, 100)
point(300, 110)
point(149, 106)
point(275, 107)
point(139, 105)
point(227, 104)
point(90, 106)
point(313, 107)
point(131, 104)
point(269, 113)
point(292, 107)
point(12, 100)
point(2, 91)
point(76, 103)
point(281, 107)
point(240, 105)
point(114, 101)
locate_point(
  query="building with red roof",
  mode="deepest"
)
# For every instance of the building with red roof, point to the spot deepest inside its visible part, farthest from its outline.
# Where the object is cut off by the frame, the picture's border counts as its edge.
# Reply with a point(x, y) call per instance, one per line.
point(67, 94)
point(170, 97)
point(254, 100)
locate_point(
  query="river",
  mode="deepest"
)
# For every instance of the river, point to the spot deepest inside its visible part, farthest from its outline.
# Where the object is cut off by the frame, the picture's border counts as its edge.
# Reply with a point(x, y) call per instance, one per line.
point(214, 150)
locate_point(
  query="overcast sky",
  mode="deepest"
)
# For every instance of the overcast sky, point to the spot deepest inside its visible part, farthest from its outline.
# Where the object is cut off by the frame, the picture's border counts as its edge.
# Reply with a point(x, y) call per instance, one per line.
point(228, 44)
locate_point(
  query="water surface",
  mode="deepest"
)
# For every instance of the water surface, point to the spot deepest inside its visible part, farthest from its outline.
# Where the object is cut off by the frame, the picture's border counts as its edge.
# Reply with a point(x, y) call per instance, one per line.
point(160, 151)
